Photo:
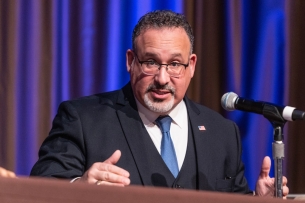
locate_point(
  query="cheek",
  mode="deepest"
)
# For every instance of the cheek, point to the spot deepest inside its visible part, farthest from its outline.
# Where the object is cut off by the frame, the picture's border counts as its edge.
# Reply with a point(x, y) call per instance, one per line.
point(139, 85)
point(135, 78)
point(180, 92)
point(181, 86)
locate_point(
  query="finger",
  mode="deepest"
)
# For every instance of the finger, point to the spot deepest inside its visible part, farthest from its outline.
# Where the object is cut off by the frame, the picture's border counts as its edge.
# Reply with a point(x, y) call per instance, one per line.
point(285, 191)
point(107, 171)
point(11, 174)
point(6, 173)
point(111, 184)
point(285, 181)
point(114, 158)
point(2, 172)
point(94, 174)
point(113, 169)
point(265, 167)
point(113, 178)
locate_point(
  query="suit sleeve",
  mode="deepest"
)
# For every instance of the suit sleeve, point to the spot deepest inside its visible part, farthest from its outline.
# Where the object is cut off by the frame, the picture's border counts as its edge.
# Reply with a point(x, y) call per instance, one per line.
point(62, 153)
point(241, 184)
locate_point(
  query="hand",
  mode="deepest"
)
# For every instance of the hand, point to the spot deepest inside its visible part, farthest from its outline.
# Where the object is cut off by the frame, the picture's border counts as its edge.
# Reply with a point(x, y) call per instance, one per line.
point(265, 184)
point(7, 173)
point(106, 173)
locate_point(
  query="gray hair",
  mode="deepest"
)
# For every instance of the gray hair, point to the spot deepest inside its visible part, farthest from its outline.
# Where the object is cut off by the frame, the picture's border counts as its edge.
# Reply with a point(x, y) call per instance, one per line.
point(162, 19)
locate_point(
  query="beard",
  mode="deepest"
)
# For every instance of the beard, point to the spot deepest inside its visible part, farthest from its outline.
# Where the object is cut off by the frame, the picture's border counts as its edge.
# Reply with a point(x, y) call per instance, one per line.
point(157, 105)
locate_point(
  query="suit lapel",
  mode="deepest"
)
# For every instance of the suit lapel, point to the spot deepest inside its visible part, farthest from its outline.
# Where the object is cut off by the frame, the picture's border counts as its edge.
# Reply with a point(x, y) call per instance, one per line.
point(201, 140)
point(143, 149)
point(141, 146)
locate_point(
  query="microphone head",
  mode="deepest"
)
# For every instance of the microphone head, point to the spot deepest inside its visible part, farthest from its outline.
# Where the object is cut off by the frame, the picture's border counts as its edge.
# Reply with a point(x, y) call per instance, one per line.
point(228, 101)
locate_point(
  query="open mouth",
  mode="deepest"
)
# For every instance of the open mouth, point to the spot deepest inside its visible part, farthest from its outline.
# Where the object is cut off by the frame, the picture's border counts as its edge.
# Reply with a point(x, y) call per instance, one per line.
point(161, 91)
point(160, 94)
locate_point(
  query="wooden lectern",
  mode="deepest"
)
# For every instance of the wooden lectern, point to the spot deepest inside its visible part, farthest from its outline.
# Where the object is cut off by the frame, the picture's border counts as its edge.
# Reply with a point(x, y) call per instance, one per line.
point(42, 190)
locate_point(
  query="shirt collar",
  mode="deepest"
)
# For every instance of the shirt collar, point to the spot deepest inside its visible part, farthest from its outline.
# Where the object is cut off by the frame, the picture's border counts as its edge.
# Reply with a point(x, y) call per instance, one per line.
point(148, 117)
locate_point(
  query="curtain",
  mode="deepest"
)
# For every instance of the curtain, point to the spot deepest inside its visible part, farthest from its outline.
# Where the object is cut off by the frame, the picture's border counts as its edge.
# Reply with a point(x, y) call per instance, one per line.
point(256, 49)
point(55, 50)
point(295, 95)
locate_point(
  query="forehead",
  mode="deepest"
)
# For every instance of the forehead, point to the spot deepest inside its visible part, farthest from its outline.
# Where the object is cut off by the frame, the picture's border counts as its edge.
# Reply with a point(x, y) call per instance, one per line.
point(163, 40)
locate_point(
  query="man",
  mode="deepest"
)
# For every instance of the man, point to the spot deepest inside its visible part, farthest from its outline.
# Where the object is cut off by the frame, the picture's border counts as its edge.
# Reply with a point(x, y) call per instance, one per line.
point(120, 138)
point(6, 173)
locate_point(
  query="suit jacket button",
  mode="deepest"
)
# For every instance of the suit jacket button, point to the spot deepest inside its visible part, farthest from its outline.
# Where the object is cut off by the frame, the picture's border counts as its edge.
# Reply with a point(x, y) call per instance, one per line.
point(178, 186)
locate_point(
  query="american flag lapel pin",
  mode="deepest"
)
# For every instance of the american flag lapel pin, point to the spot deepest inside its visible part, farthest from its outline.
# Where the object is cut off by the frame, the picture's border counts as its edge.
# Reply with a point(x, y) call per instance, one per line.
point(201, 127)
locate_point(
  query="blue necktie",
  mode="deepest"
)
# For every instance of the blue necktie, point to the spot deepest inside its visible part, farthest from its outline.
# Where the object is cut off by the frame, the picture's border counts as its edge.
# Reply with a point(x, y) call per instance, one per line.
point(167, 148)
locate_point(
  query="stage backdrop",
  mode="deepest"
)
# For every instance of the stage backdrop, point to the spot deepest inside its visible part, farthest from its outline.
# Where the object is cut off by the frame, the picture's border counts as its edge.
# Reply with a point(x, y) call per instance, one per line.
point(55, 50)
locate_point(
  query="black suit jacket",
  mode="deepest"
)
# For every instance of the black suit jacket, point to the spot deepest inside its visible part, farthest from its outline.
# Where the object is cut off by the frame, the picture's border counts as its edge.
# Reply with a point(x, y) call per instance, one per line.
point(90, 129)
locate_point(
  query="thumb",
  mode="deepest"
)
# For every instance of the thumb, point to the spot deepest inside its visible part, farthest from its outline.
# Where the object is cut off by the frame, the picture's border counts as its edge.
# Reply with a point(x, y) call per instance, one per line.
point(265, 167)
point(114, 158)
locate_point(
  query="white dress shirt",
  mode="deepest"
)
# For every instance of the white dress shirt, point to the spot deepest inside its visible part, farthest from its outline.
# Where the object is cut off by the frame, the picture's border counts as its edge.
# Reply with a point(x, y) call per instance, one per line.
point(178, 130)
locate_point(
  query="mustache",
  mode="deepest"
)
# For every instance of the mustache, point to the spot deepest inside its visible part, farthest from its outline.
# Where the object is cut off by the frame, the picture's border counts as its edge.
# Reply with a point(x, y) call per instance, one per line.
point(151, 87)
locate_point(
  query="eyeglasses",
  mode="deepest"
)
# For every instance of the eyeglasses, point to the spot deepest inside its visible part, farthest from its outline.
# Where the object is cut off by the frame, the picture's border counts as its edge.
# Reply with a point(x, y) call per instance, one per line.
point(151, 67)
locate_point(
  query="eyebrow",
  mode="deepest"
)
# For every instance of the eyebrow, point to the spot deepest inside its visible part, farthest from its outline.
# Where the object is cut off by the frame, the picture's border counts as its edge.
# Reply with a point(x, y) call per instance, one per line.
point(150, 54)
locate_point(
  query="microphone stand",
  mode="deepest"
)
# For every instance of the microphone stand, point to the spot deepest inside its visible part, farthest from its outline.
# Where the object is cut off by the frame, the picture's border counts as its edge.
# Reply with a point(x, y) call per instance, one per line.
point(273, 115)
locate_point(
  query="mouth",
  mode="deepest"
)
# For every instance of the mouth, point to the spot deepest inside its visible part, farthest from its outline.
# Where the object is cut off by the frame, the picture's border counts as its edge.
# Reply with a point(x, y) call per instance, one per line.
point(160, 93)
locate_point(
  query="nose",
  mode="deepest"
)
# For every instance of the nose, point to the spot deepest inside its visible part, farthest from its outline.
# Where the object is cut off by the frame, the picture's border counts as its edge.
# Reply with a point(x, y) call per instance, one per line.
point(162, 77)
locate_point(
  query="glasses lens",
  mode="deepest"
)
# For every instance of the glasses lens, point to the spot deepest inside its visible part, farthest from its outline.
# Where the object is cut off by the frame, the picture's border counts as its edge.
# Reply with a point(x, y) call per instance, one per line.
point(174, 69)
point(150, 67)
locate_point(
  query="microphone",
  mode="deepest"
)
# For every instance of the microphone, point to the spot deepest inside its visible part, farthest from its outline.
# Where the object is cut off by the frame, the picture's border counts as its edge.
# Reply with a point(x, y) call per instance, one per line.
point(231, 101)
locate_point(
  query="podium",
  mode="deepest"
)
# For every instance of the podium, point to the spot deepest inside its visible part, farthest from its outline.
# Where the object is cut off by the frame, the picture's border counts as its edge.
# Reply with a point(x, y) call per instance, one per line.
point(43, 190)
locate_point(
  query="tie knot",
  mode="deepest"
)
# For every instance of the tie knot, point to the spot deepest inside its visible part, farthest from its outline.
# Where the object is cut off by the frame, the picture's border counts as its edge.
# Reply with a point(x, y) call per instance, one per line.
point(164, 123)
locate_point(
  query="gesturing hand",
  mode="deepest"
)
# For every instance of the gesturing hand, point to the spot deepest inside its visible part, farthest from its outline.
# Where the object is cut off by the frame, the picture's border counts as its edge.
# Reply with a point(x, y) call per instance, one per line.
point(106, 173)
point(7, 173)
point(265, 184)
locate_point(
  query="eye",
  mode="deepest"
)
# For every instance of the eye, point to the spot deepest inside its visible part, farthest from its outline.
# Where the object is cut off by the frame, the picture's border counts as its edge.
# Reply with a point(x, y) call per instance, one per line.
point(175, 64)
point(151, 63)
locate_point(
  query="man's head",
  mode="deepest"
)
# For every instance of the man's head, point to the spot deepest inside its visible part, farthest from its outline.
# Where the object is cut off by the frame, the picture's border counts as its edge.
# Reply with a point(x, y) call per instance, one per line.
point(162, 19)
point(161, 37)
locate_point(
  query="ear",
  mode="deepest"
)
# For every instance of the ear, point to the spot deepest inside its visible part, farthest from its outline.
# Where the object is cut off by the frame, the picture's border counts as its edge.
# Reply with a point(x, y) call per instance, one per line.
point(192, 64)
point(129, 59)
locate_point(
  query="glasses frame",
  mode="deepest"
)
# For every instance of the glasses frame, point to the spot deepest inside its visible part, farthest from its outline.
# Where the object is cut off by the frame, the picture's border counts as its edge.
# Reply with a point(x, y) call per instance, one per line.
point(160, 65)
